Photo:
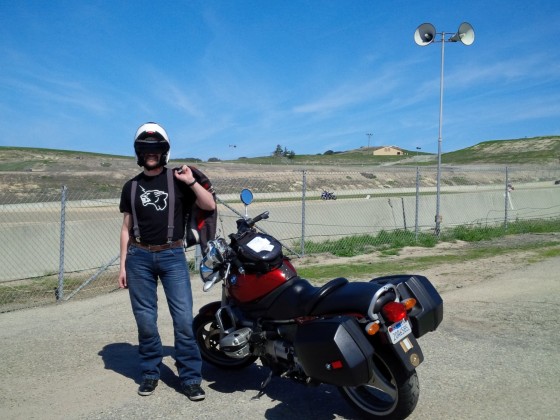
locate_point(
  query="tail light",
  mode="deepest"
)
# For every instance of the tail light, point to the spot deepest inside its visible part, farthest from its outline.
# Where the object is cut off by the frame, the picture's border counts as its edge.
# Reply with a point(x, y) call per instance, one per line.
point(409, 303)
point(394, 311)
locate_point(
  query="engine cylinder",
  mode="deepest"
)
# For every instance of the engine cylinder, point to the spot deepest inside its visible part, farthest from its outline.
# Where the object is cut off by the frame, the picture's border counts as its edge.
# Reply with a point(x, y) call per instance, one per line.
point(236, 344)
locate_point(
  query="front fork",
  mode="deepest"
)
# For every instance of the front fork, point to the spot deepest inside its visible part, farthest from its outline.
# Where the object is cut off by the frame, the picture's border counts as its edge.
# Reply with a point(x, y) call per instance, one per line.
point(226, 320)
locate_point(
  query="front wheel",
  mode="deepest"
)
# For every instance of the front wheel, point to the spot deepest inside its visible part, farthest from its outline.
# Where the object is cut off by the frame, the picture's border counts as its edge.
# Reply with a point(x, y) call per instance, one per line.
point(392, 392)
point(207, 335)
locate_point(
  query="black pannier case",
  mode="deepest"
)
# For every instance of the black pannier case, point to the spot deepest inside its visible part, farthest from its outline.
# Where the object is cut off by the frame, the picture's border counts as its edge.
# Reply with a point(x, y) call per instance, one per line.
point(334, 351)
point(428, 312)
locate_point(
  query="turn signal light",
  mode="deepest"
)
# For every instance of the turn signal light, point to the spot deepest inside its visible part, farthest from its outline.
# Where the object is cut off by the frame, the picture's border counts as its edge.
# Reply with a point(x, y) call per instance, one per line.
point(409, 303)
point(372, 328)
point(394, 311)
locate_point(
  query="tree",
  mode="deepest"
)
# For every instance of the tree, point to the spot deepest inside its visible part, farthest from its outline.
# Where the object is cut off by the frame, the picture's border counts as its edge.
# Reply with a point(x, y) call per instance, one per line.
point(283, 152)
point(278, 151)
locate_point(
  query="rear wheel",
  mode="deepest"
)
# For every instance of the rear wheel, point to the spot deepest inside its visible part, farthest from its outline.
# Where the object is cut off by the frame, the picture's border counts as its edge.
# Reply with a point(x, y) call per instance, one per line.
point(392, 393)
point(207, 335)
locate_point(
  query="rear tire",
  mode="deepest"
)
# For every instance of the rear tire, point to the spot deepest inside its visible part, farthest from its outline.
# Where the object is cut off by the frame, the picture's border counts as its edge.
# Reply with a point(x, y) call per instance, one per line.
point(392, 393)
point(207, 335)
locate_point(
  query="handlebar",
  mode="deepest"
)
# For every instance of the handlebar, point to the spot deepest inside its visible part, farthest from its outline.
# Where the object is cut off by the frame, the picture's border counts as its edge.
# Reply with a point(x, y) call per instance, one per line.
point(253, 221)
point(243, 225)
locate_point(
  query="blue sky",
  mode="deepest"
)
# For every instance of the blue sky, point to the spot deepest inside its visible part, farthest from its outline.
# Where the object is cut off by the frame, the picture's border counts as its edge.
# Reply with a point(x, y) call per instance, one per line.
point(231, 79)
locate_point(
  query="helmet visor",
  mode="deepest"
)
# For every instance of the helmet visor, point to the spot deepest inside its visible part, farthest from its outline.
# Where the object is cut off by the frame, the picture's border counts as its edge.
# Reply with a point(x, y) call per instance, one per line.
point(151, 145)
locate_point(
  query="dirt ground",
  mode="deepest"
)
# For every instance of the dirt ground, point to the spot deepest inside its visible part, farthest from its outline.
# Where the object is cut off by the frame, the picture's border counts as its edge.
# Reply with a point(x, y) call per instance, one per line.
point(495, 356)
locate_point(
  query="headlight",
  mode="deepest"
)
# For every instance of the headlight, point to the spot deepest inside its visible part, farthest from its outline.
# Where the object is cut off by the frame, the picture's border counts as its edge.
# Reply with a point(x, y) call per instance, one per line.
point(214, 257)
point(206, 273)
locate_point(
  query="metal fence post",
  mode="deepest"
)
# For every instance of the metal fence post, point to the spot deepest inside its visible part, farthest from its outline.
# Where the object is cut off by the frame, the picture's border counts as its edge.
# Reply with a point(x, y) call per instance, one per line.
point(303, 191)
point(197, 256)
point(506, 195)
point(417, 203)
point(60, 289)
point(403, 213)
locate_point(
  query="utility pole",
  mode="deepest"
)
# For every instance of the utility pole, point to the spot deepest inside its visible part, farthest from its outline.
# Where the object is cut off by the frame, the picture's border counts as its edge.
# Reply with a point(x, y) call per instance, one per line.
point(369, 138)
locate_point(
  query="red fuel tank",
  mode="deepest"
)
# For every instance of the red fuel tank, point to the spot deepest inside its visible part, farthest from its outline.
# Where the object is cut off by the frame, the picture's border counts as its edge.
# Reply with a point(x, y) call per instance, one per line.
point(251, 286)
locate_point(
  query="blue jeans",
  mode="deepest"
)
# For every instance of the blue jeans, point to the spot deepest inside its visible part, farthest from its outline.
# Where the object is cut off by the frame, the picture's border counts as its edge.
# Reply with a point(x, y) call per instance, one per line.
point(143, 268)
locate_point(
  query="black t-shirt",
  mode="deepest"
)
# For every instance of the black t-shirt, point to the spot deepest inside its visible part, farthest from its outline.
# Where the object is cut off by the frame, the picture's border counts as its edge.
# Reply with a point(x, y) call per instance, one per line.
point(152, 206)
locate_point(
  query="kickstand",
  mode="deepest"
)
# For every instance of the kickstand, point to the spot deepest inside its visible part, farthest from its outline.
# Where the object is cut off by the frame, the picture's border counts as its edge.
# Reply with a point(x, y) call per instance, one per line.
point(263, 386)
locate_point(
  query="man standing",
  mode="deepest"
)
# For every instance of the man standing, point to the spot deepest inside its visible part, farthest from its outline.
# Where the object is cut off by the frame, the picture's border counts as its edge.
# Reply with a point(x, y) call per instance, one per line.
point(154, 204)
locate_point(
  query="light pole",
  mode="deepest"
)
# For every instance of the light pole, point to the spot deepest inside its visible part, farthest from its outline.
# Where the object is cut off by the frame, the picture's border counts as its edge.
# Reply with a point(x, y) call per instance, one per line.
point(425, 35)
point(417, 149)
point(369, 138)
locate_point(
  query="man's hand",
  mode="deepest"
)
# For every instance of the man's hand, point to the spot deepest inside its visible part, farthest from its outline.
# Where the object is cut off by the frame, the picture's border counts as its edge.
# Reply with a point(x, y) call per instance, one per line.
point(122, 280)
point(184, 174)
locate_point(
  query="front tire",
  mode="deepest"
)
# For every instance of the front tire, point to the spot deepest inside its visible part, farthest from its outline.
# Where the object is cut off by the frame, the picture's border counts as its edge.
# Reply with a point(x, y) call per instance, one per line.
point(392, 393)
point(207, 335)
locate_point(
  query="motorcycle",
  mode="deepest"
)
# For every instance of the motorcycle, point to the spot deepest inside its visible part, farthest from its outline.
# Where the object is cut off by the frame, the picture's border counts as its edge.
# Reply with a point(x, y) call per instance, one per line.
point(327, 195)
point(358, 336)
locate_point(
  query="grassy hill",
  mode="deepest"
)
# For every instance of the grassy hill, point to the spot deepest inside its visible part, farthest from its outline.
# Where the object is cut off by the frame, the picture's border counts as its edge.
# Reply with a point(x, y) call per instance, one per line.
point(26, 171)
point(537, 151)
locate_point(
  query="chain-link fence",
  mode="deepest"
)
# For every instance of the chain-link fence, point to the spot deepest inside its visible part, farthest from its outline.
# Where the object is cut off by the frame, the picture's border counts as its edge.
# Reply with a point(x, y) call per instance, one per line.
point(65, 244)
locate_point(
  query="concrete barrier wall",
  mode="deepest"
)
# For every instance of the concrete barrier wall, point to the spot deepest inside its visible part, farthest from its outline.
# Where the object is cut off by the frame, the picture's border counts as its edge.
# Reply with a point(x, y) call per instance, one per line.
point(30, 245)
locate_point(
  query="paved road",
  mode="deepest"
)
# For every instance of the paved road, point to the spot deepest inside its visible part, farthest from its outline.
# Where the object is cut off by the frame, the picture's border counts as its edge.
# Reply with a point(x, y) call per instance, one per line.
point(495, 356)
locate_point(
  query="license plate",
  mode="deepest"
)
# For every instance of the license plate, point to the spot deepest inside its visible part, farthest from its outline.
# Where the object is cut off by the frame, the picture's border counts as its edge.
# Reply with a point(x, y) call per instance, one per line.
point(399, 330)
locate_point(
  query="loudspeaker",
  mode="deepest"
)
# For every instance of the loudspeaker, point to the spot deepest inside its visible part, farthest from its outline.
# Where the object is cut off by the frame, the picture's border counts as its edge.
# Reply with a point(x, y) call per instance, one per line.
point(425, 34)
point(465, 34)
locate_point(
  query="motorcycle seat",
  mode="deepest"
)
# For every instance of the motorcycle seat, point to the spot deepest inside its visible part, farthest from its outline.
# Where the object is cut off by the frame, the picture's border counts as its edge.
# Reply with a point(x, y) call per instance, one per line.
point(325, 290)
point(354, 297)
point(293, 299)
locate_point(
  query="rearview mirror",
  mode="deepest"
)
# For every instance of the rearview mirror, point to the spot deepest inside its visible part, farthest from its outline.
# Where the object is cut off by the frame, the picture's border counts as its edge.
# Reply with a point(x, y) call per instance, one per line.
point(246, 196)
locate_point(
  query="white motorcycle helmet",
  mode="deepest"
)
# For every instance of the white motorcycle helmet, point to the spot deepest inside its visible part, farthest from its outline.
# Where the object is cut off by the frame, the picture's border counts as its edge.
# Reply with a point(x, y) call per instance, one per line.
point(151, 137)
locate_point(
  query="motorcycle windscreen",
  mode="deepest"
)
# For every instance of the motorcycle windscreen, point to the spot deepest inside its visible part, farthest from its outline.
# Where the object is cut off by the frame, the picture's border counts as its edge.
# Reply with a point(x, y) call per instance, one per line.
point(334, 351)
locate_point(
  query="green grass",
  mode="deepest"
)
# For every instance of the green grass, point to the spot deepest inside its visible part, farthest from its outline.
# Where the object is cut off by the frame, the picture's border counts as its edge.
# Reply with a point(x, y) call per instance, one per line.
point(541, 251)
point(507, 152)
point(385, 241)
point(391, 243)
point(481, 233)
point(362, 244)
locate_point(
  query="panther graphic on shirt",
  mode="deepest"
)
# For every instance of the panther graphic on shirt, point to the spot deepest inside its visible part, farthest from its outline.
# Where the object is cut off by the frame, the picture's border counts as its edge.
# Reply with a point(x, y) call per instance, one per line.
point(154, 197)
